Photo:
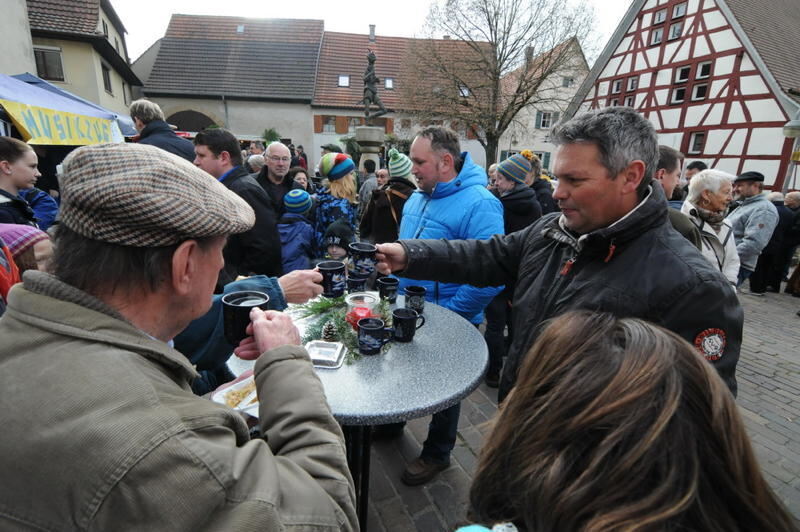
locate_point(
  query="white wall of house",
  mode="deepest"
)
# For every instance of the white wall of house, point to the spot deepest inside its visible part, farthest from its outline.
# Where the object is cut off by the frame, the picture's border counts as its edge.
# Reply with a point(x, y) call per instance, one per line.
point(15, 35)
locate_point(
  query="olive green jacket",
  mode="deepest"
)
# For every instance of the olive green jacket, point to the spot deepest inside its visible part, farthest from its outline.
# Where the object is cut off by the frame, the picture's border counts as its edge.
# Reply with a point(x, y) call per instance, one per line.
point(102, 432)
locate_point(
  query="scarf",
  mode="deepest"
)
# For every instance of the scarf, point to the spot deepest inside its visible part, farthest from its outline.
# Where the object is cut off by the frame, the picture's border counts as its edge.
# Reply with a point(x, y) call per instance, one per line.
point(714, 219)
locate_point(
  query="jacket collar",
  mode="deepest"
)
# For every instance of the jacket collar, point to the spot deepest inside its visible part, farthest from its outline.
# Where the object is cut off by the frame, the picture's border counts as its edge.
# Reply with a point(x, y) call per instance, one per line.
point(156, 126)
point(105, 326)
point(470, 175)
point(650, 212)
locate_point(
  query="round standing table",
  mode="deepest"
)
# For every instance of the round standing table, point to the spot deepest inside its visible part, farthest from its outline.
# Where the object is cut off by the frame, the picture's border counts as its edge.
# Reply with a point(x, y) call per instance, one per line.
point(443, 364)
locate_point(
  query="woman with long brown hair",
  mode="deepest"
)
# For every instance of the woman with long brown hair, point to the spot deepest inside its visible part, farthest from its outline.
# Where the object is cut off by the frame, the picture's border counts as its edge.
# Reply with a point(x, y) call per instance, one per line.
point(617, 424)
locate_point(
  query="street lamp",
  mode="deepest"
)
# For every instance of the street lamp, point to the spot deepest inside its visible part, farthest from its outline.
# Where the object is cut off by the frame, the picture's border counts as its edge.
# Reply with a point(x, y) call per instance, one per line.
point(791, 130)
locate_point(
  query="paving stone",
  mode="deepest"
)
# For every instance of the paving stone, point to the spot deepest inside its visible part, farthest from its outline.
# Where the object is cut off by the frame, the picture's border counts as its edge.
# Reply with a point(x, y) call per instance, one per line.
point(428, 520)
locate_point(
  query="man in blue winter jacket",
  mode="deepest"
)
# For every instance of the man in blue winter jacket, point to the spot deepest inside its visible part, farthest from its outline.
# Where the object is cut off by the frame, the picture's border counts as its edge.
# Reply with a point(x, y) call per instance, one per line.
point(452, 203)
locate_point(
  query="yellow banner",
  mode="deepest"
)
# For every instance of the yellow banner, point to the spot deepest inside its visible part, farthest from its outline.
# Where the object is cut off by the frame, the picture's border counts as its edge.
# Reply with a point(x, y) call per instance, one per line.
point(40, 125)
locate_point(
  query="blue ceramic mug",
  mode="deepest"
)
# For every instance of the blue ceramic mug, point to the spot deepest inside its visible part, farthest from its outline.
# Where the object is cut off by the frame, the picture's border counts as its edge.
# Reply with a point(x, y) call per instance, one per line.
point(363, 254)
point(333, 277)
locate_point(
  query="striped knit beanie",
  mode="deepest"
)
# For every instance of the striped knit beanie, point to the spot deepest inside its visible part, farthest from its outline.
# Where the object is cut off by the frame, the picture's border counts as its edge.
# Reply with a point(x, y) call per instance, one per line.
point(336, 165)
point(297, 201)
point(516, 167)
point(18, 238)
point(142, 196)
point(399, 164)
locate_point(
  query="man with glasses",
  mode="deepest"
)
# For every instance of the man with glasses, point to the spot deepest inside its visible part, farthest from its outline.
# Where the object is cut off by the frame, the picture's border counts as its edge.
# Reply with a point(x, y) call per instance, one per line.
point(274, 177)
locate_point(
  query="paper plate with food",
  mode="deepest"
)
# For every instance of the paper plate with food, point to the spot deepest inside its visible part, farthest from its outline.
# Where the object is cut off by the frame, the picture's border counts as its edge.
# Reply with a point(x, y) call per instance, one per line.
point(240, 395)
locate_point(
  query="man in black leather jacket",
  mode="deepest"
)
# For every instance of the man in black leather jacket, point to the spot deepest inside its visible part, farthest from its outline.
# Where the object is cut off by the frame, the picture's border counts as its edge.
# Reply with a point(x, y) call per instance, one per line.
point(611, 249)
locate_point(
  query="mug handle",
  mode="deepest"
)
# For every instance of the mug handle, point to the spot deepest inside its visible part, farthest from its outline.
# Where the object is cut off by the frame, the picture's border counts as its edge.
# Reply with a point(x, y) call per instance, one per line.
point(423, 320)
point(388, 334)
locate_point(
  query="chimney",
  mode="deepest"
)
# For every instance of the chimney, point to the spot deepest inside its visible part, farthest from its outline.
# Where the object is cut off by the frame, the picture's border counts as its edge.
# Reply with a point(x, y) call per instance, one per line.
point(372, 33)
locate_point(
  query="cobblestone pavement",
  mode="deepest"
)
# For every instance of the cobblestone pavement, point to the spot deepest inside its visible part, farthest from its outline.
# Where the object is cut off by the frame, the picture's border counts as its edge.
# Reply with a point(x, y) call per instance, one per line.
point(769, 393)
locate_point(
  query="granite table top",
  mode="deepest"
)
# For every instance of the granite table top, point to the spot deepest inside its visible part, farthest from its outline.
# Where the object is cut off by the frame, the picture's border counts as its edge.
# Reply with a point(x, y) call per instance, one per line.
point(443, 364)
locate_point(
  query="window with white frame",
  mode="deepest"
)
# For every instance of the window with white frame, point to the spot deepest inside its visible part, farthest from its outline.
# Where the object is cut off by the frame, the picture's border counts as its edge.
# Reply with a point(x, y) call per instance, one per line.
point(614, 102)
point(633, 83)
point(659, 16)
point(678, 95)
point(344, 80)
point(703, 70)
point(546, 119)
point(675, 30)
point(567, 82)
point(697, 142)
point(388, 84)
point(329, 124)
point(679, 10)
point(616, 86)
point(682, 73)
point(629, 101)
point(105, 28)
point(352, 124)
point(656, 36)
point(48, 63)
point(699, 92)
point(107, 79)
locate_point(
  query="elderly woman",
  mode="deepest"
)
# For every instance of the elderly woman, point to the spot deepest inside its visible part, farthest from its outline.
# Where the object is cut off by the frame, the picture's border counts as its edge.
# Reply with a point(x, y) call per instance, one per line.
point(706, 205)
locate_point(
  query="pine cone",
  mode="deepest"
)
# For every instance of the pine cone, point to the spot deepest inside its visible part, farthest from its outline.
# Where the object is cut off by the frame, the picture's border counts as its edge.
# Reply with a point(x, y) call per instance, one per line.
point(329, 332)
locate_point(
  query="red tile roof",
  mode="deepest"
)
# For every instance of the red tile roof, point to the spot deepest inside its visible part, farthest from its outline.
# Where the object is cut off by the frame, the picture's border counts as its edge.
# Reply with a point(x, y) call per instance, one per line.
point(346, 53)
point(73, 16)
point(208, 55)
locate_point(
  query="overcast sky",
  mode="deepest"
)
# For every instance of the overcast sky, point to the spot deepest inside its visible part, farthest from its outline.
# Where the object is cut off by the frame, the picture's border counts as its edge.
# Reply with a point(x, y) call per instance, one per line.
point(147, 20)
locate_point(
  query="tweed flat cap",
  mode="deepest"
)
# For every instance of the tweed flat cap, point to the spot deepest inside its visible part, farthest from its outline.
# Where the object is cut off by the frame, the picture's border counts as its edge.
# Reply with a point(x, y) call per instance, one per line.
point(142, 196)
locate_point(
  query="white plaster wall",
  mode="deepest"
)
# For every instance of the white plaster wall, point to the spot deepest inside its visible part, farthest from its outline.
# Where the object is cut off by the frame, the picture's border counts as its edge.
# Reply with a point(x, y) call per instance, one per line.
point(691, 7)
point(670, 48)
point(683, 51)
point(661, 97)
point(753, 85)
point(708, 4)
point(602, 88)
point(624, 45)
point(701, 46)
point(15, 34)
point(747, 63)
point(652, 56)
point(650, 4)
point(644, 80)
point(717, 88)
point(664, 77)
point(736, 116)
point(728, 165)
point(768, 168)
point(671, 118)
point(724, 65)
point(641, 61)
point(714, 140)
point(611, 68)
point(715, 116)
point(673, 140)
point(736, 145)
point(725, 40)
point(766, 110)
point(714, 19)
point(655, 121)
point(766, 141)
point(694, 113)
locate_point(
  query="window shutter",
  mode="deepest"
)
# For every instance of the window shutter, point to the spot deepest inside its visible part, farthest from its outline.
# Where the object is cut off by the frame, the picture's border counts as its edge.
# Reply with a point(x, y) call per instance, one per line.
point(342, 125)
point(546, 160)
point(555, 119)
point(538, 120)
point(390, 125)
point(317, 123)
point(503, 155)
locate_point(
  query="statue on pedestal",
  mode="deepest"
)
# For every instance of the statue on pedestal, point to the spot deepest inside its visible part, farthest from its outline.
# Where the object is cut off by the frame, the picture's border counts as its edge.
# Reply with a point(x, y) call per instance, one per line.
point(371, 81)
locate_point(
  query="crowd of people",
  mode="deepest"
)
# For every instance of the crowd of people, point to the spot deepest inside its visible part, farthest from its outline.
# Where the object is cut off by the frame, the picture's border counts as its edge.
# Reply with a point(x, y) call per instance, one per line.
point(609, 301)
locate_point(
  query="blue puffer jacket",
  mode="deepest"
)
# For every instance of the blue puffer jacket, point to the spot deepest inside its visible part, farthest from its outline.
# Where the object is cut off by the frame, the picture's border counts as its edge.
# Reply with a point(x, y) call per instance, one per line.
point(297, 242)
point(44, 206)
point(459, 209)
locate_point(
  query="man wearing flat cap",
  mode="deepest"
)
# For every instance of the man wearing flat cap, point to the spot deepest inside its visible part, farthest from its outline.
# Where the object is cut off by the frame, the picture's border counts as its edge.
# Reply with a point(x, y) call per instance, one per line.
point(101, 429)
point(753, 221)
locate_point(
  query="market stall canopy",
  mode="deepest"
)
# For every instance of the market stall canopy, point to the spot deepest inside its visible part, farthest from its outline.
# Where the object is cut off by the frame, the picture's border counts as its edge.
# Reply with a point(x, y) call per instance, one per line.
point(45, 117)
point(124, 121)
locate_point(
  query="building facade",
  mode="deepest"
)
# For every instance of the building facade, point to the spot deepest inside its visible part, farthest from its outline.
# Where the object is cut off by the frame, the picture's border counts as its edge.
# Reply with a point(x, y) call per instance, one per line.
point(713, 76)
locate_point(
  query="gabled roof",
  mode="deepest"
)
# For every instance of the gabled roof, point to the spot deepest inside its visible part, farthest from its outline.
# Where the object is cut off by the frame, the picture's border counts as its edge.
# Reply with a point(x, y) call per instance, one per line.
point(772, 28)
point(767, 32)
point(273, 59)
point(77, 17)
point(78, 20)
point(346, 53)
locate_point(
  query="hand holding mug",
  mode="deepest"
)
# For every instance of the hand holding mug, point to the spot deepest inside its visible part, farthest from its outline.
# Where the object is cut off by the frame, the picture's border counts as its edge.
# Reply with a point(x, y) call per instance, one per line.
point(391, 258)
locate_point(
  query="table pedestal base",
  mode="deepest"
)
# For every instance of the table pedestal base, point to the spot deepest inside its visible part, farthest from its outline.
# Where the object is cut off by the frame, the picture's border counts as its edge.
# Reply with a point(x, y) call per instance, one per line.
point(358, 439)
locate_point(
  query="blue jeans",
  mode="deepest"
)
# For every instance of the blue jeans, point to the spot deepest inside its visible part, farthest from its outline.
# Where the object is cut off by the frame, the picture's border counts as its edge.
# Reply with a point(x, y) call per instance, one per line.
point(441, 435)
point(743, 276)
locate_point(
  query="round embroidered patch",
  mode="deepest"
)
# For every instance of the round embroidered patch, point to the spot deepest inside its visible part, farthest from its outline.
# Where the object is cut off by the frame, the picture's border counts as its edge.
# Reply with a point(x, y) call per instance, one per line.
point(711, 343)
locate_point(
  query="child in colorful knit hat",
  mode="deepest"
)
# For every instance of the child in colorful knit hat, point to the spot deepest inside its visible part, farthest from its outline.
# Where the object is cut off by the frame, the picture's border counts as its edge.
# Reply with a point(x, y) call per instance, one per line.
point(296, 232)
point(338, 200)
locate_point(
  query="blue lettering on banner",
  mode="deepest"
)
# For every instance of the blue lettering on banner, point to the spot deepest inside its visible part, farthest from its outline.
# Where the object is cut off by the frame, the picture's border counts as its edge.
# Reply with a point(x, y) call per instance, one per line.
point(59, 127)
point(44, 121)
point(30, 122)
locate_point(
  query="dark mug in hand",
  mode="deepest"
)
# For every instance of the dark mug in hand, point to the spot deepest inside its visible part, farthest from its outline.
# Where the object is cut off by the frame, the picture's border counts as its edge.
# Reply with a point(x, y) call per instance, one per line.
point(333, 277)
point(387, 288)
point(415, 298)
point(406, 322)
point(236, 308)
point(363, 254)
point(356, 282)
point(372, 335)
